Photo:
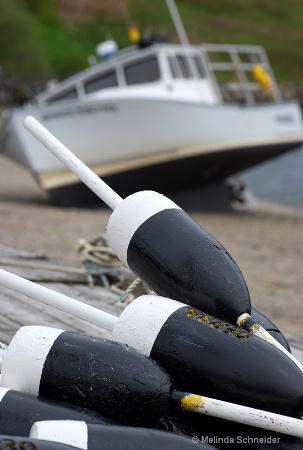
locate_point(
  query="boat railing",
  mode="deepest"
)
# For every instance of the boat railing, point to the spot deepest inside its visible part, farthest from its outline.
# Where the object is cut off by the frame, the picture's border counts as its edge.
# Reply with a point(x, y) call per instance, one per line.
point(241, 73)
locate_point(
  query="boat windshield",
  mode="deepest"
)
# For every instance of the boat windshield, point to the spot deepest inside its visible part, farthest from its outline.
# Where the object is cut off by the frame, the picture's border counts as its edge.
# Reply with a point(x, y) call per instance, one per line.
point(145, 70)
point(101, 81)
point(183, 66)
point(66, 95)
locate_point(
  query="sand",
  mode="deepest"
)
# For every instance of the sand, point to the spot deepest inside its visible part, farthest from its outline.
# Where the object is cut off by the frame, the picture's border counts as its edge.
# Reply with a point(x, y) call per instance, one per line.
point(267, 244)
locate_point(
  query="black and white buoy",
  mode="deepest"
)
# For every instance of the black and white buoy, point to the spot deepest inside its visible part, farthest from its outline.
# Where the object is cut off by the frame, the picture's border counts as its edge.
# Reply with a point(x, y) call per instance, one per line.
point(101, 375)
point(211, 357)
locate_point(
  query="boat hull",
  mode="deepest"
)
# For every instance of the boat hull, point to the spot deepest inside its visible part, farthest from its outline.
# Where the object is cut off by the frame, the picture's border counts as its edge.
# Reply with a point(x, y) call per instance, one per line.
point(157, 144)
point(179, 179)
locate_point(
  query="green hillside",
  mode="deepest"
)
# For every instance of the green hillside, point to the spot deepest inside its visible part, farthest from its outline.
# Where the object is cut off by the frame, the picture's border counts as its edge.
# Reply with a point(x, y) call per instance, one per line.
point(54, 38)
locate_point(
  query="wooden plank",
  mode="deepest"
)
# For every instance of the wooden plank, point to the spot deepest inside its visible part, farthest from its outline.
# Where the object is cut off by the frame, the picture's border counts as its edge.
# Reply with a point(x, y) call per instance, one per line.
point(36, 267)
point(39, 268)
point(19, 310)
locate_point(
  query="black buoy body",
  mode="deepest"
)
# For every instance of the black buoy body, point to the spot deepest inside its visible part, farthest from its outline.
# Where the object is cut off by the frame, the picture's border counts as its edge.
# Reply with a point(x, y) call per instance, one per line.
point(176, 257)
point(210, 357)
point(95, 437)
point(95, 373)
point(19, 411)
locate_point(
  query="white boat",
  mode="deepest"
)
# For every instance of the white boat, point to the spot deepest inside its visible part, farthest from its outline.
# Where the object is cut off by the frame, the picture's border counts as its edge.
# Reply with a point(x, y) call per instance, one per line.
point(158, 118)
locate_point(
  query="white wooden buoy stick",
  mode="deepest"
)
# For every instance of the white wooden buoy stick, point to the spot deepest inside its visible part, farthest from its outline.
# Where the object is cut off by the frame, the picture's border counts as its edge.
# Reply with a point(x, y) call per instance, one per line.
point(57, 300)
point(242, 414)
point(86, 175)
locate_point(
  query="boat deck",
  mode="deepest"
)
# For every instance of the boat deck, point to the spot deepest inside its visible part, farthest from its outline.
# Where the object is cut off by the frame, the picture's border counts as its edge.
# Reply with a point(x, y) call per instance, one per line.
point(18, 310)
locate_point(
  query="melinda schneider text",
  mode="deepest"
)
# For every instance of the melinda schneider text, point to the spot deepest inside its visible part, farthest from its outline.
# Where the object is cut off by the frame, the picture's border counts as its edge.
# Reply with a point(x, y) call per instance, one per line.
point(239, 440)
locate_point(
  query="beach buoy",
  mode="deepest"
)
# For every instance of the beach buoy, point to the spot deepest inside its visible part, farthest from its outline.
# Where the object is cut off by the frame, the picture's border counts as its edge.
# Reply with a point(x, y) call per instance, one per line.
point(98, 374)
point(23, 443)
point(211, 357)
point(94, 437)
point(165, 247)
point(20, 410)
point(175, 256)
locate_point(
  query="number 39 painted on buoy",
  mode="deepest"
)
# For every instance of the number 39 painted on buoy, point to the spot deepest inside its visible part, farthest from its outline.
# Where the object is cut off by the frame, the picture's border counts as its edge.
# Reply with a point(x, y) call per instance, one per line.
point(11, 444)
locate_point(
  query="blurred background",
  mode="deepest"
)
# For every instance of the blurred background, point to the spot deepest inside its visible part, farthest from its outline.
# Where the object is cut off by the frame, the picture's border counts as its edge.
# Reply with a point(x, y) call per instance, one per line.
point(41, 40)
point(45, 41)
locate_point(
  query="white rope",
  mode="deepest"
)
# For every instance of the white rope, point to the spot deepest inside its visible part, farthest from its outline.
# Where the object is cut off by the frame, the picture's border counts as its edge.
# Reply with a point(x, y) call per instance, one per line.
point(137, 282)
point(98, 252)
point(100, 260)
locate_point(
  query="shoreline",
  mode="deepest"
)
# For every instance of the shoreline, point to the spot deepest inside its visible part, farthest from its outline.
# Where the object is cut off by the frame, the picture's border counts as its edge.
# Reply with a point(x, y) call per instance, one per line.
point(266, 244)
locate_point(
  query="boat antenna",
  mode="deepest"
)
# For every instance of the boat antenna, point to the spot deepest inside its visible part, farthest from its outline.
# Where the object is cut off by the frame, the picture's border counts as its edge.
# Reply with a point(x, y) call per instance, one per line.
point(177, 22)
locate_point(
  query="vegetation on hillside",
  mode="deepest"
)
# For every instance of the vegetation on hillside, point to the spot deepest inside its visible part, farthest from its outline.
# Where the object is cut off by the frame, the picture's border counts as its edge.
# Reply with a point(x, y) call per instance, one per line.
point(54, 38)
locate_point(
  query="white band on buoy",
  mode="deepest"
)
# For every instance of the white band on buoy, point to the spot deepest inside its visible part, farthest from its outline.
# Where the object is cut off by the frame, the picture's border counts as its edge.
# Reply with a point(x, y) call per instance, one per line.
point(129, 215)
point(70, 432)
point(26, 354)
point(3, 392)
point(140, 323)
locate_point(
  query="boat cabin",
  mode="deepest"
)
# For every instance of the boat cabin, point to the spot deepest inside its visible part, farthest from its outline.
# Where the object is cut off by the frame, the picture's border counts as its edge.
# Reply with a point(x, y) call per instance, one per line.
point(208, 73)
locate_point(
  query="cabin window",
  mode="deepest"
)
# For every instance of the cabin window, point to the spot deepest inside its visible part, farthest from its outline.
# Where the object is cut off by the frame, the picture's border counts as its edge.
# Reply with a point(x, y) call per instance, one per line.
point(198, 65)
point(184, 66)
point(103, 81)
point(143, 71)
point(181, 67)
point(174, 67)
point(66, 95)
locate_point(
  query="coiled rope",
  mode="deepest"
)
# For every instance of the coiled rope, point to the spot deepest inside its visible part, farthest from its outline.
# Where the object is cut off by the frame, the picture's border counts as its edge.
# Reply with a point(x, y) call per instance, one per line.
point(102, 264)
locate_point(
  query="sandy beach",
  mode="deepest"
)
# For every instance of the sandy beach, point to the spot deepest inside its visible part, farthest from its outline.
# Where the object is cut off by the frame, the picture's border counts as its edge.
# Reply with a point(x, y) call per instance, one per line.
point(267, 244)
